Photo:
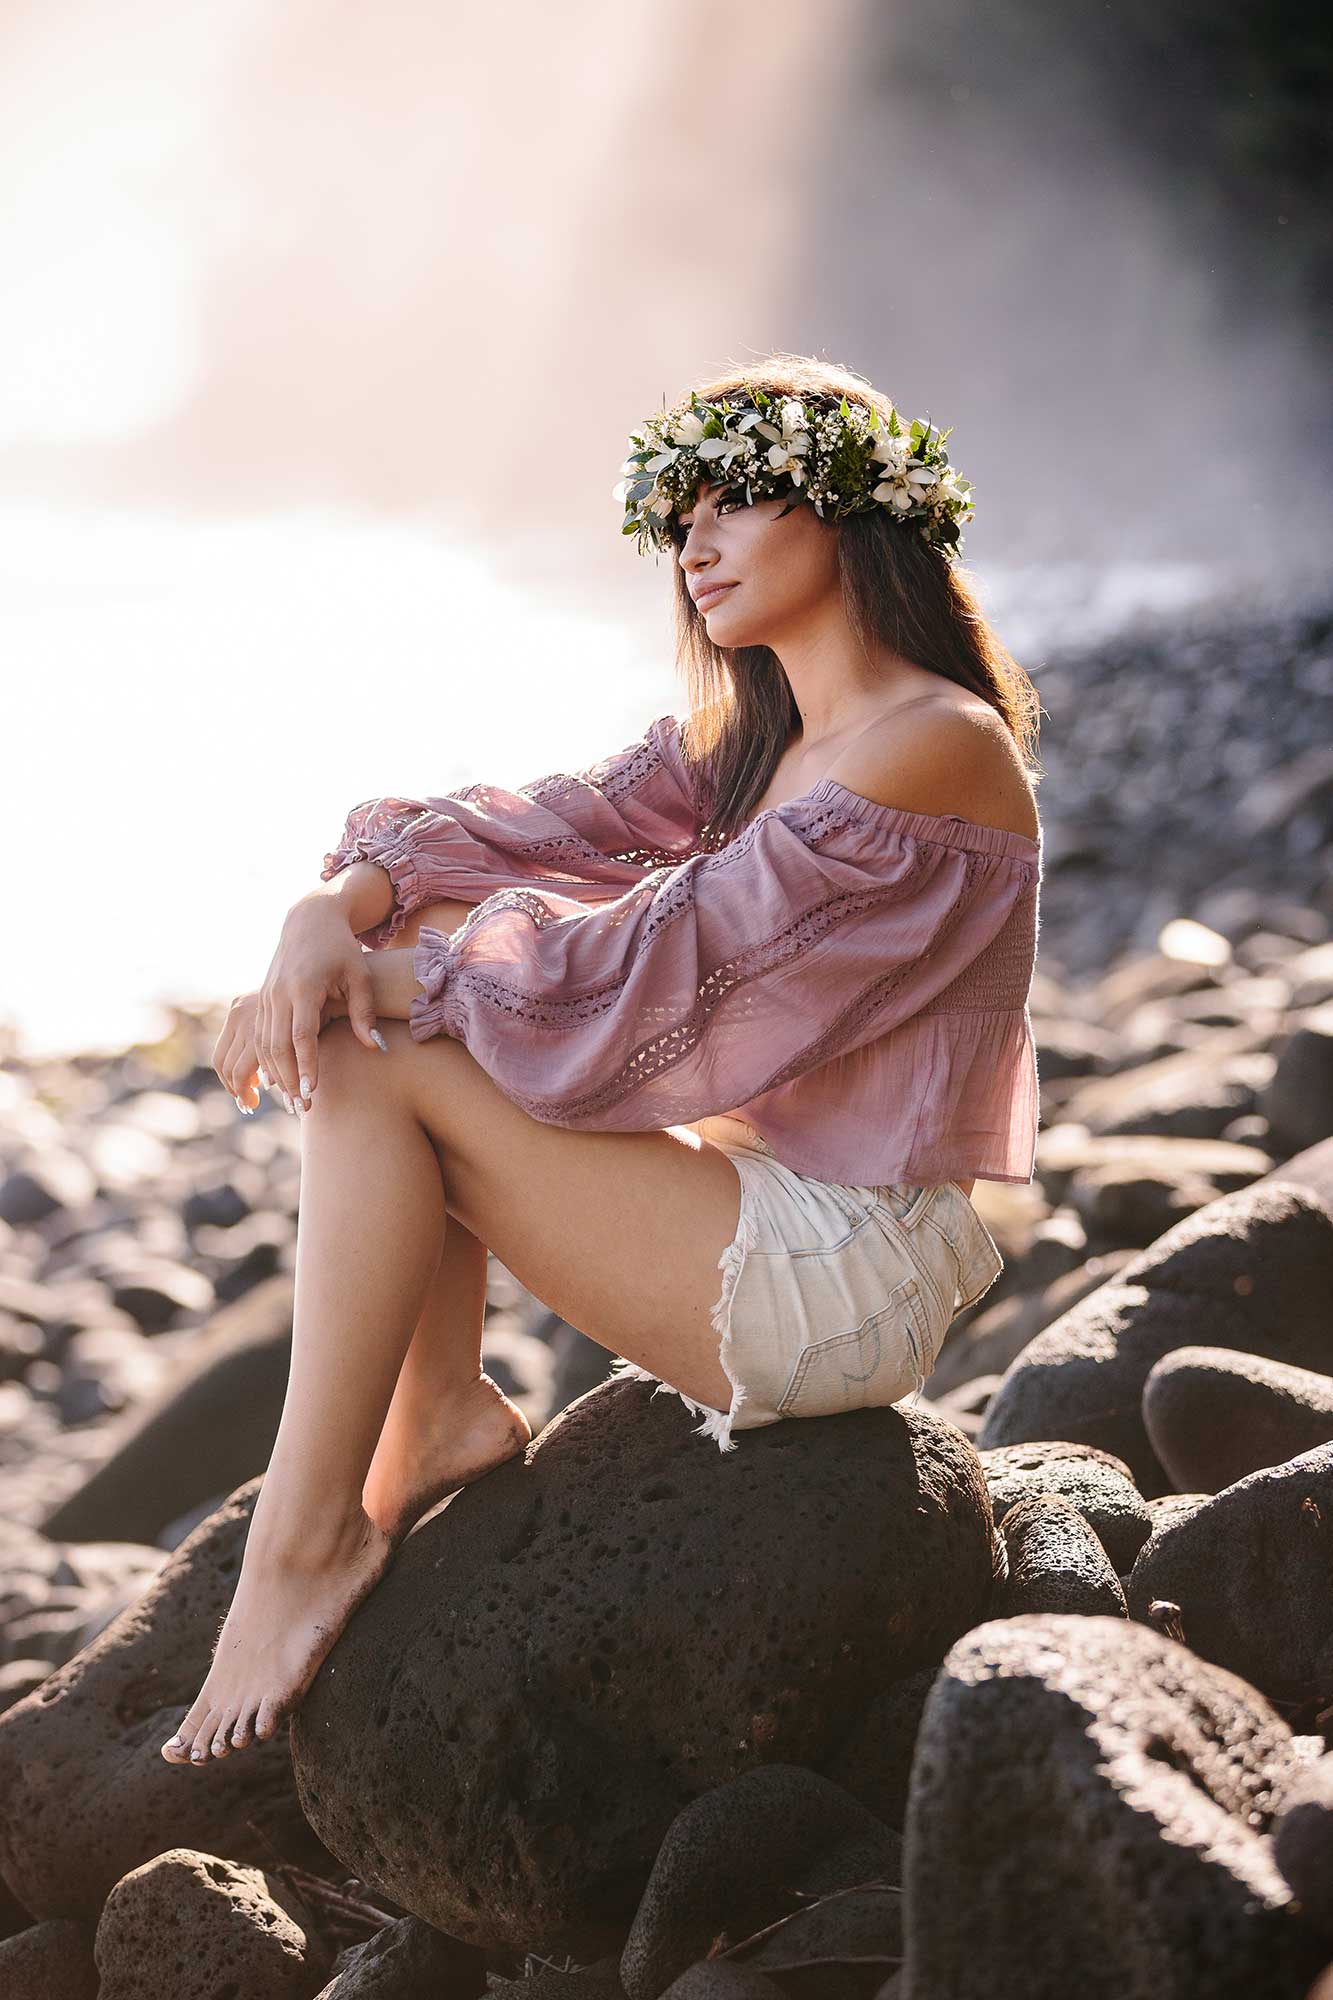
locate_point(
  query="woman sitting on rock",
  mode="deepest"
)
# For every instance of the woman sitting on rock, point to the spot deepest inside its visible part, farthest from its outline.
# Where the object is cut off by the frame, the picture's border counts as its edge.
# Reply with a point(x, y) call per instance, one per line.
point(750, 996)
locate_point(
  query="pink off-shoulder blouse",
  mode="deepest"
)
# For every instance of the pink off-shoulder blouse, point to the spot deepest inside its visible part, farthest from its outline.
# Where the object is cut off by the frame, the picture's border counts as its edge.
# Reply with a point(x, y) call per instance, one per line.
point(851, 978)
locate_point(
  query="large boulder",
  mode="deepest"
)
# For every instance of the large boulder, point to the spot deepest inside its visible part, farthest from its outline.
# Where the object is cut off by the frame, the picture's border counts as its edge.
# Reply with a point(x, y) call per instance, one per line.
point(1214, 1415)
point(50, 1961)
point(1056, 1563)
point(1098, 1484)
point(741, 1857)
point(85, 1794)
point(211, 1427)
point(1090, 1807)
point(601, 1630)
point(1252, 1271)
point(1249, 1578)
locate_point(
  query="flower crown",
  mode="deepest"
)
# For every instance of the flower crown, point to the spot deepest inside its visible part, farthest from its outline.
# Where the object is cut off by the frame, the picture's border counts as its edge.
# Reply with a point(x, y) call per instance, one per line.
point(845, 461)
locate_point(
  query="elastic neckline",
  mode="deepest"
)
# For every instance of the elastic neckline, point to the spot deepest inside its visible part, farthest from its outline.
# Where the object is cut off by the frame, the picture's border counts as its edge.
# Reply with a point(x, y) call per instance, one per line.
point(948, 829)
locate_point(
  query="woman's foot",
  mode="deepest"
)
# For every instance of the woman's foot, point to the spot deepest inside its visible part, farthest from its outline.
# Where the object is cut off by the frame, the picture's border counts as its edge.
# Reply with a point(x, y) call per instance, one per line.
point(292, 1601)
point(427, 1454)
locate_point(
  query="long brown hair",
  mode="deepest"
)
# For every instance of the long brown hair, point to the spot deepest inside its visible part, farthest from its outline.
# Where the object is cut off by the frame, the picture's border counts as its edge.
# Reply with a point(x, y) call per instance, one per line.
point(897, 590)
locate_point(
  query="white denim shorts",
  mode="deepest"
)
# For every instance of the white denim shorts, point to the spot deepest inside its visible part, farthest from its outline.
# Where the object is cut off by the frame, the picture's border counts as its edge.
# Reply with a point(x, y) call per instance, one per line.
point(835, 1296)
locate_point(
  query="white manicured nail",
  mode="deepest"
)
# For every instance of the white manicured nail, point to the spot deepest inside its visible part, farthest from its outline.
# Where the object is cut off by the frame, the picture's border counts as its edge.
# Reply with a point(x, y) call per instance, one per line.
point(379, 1041)
point(305, 1086)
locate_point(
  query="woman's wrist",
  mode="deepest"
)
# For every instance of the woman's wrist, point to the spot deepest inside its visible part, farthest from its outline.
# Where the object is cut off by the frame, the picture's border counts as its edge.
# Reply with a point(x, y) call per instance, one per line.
point(362, 894)
point(393, 982)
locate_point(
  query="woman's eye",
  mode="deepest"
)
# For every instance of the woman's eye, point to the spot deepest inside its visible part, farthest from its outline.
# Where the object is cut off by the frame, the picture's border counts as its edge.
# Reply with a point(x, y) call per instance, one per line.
point(683, 527)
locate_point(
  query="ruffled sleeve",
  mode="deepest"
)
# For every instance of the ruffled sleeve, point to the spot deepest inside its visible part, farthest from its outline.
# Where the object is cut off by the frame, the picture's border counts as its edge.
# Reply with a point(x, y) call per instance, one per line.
point(828, 922)
point(590, 834)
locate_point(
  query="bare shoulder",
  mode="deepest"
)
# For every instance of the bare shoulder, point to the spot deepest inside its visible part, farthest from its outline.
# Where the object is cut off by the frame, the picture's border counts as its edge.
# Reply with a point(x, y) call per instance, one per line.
point(943, 754)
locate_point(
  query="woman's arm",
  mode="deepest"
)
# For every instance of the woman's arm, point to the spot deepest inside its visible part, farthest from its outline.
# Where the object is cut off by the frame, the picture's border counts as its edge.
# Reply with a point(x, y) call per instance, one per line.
point(362, 893)
point(392, 979)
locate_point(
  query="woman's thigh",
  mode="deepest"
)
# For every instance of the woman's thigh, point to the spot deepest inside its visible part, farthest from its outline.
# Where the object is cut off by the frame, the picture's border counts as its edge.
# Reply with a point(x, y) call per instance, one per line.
point(621, 1233)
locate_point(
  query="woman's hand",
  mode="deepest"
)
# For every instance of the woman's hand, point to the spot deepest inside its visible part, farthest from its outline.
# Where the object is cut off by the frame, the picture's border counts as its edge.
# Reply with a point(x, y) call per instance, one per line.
point(319, 973)
point(235, 1057)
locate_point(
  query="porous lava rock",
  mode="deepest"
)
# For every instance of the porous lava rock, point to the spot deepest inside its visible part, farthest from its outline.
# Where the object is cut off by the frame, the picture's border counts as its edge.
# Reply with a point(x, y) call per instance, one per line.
point(1056, 1563)
point(1213, 1415)
point(600, 1630)
point(49, 1961)
point(1249, 1575)
point(1100, 1485)
point(1091, 1798)
point(1165, 1508)
point(735, 1860)
point(85, 1794)
point(1303, 1841)
point(1251, 1271)
point(874, 1760)
point(196, 1926)
point(407, 1960)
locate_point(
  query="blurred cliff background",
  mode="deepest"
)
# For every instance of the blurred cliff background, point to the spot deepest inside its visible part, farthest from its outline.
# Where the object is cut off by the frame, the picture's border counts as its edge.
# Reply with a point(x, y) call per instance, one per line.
point(323, 330)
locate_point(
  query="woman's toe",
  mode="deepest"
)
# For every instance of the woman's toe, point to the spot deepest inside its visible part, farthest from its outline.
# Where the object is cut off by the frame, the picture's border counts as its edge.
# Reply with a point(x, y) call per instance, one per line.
point(199, 1749)
point(176, 1749)
point(268, 1718)
point(221, 1744)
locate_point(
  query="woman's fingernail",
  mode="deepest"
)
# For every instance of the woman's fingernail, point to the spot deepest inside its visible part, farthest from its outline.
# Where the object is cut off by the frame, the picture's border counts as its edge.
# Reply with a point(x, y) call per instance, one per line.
point(288, 1102)
point(305, 1086)
point(266, 1079)
point(379, 1041)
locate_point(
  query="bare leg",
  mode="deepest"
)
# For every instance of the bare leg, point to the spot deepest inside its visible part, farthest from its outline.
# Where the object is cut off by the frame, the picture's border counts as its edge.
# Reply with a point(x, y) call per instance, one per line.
point(371, 1222)
point(448, 1421)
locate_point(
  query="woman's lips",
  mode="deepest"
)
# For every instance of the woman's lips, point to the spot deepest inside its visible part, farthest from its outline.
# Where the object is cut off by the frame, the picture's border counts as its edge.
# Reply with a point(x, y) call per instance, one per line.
point(707, 597)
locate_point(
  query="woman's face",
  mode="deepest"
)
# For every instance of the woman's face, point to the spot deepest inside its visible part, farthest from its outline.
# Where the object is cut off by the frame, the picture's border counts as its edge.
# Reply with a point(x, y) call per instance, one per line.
point(781, 573)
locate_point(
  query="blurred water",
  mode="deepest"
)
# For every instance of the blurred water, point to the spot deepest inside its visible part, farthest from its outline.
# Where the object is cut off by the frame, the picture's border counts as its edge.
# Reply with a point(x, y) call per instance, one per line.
point(194, 705)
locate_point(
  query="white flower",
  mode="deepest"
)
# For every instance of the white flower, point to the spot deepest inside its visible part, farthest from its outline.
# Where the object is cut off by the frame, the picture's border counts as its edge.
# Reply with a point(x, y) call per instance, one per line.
point(787, 458)
point(687, 429)
point(662, 461)
point(790, 444)
point(726, 448)
point(894, 493)
point(659, 503)
point(891, 451)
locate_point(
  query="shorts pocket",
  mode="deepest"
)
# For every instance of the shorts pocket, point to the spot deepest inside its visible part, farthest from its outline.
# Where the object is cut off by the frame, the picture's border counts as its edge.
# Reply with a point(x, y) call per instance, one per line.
point(870, 1365)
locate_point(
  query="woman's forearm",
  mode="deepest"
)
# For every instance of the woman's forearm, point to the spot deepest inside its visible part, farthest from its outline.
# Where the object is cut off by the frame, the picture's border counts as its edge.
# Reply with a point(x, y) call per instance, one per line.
point(393, 981)
point(362, 894)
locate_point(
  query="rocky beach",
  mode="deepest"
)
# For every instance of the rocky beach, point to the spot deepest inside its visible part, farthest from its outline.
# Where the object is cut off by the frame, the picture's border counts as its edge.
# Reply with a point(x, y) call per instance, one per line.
point(1023, 1686)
